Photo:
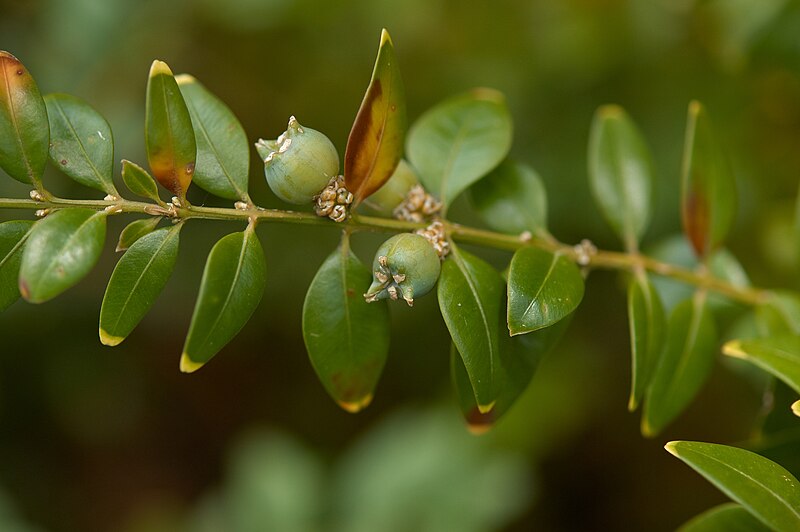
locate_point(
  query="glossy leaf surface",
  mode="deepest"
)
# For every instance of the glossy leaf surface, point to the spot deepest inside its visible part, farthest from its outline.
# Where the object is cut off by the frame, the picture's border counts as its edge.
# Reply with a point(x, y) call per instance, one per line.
point(138, 279)
point(169, 136)
point(543, 288)
point(223, 153)
point(512, 199)
point(708, 189)
point(459, 141)
point(81, 143)
point(232, 285)
point(12, 241)
point(684, 365)
point(470, 293)
point(620, 173)
point(519, 358)
point(61, 249)
point(375, 144)
point(347, 338)
point(24, 132)
point(729, 517)
point(139, 181)
point(778, 355)
point(646, 323)
point(136, 230)
point(765, 489)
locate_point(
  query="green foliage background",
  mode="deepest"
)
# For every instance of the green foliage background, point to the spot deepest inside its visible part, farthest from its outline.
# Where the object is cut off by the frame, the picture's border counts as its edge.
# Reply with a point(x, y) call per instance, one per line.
point(94, 439)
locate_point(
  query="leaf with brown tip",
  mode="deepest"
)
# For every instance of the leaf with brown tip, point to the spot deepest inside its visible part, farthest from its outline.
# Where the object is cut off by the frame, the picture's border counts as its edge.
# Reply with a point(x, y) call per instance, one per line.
point(708, 190)
point(375, 145)
point(171, 145)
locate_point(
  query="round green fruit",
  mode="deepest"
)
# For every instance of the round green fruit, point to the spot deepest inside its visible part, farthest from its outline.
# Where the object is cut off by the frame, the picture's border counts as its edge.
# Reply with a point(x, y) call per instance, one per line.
point(299, 163)
point(405, 266)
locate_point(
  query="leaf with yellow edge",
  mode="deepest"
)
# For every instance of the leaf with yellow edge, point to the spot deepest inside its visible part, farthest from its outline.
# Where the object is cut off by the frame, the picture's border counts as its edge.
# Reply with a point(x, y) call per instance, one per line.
point(171, 145)
point(232, 285)
point(778, 355)
point(375, 145)
point(347, 339)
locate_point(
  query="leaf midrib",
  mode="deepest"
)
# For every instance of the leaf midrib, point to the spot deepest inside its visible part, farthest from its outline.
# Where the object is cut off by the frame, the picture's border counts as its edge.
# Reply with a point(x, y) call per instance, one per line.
point(688, 345)
point(231, 289)
point(541, 286)
point(344, 256)
point(15, 247)
point(451, 158)
point(464, 271)
point(80, 143)
point(51, 264)
point(193, 111)
point(755, 481)
point(374, 161)
point(152, 259)
point(13, 114)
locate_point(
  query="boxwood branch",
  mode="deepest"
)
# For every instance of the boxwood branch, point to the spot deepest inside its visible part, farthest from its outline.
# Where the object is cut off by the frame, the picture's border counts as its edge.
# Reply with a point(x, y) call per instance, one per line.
point(613, 260)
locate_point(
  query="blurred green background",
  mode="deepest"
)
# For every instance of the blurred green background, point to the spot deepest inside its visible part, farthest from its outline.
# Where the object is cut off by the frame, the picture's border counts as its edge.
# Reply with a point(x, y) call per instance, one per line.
point(99, 439)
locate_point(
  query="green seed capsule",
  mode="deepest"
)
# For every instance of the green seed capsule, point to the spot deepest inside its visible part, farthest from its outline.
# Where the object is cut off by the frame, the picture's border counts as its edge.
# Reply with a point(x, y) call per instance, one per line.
point(299, 163)
point(393, 192)
point(405, 266)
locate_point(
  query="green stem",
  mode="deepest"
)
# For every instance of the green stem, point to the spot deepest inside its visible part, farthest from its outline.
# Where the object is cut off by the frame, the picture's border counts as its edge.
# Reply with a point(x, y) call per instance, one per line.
point(585, 255)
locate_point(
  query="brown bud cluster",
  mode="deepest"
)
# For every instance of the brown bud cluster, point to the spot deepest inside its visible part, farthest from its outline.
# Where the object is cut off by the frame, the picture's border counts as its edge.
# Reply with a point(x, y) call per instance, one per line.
point(334, 200)
point(435, 234)
point(418, 206)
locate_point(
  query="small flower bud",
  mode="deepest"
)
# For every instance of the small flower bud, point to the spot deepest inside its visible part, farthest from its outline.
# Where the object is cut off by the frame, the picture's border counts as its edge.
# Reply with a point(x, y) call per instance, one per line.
point(299, 163)
point(405, 266)
point(334, 200)
point(417, 206)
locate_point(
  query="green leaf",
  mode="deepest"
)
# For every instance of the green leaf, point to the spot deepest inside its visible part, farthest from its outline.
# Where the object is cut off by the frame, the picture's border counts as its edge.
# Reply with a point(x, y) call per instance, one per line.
point(470, 292)
point(646, 322)
point(684, 365)
point(780, 314)
point(375, 144)
point(519, 358)
point(512, 199)
point(81, 143)
point(765, 489)
point(171, 146)
point(347, 339)
point(621, 173)
point(543, 288)
point(139, 181)
point(138, 279)
point(24, 132)
point(729, 517)
point(459, 141)
point(223, 153)
point(136, 230)
point(12, 241)
point(232, 285)
point(61, 250)
point(778, 355)
point(708, 189)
